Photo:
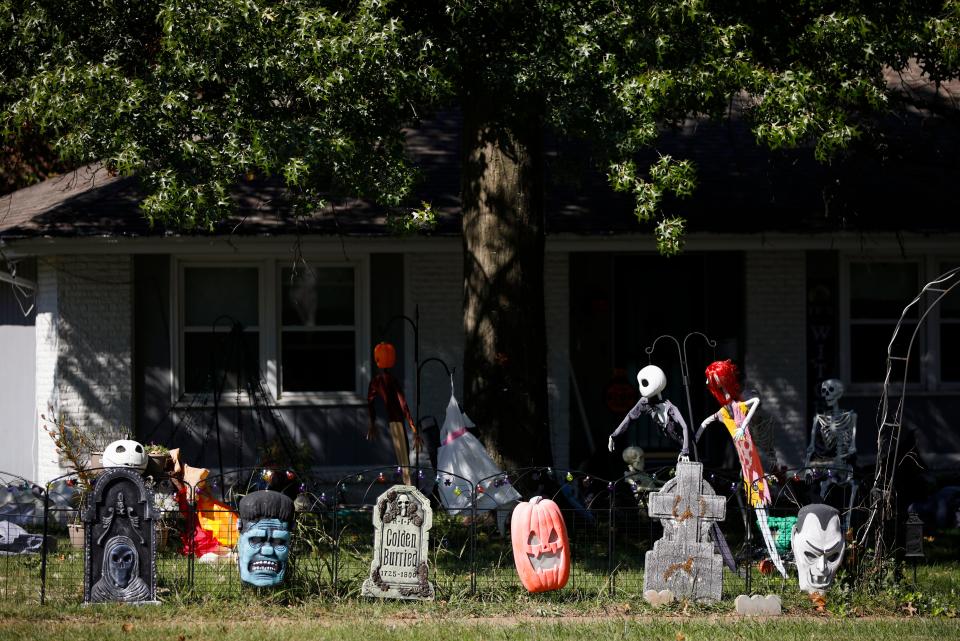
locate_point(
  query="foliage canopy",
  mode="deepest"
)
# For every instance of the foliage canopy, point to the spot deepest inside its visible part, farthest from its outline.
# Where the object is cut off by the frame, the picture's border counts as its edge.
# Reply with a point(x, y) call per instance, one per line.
point(193, 95)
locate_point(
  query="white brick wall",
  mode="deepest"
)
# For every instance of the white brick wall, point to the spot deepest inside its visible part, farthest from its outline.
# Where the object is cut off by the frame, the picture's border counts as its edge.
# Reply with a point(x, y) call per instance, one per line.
point(776, 351)
point(84, 339)
point(435, 282)
point(46, 367)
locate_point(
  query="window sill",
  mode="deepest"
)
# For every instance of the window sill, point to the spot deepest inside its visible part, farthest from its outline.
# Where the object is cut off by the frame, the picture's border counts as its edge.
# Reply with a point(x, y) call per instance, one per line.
point(300, 399)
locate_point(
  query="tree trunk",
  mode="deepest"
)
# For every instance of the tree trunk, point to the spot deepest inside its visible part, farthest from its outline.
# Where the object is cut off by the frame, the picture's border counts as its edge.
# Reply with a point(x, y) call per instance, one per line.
point(505, 372)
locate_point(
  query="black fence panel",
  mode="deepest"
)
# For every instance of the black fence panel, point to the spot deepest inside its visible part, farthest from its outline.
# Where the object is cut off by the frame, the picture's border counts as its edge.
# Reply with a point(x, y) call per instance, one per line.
point(470, 550)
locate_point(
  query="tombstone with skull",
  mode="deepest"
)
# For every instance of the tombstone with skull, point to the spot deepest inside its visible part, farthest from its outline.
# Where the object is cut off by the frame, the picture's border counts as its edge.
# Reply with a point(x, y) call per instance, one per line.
point(818, 546)
point(120, 549)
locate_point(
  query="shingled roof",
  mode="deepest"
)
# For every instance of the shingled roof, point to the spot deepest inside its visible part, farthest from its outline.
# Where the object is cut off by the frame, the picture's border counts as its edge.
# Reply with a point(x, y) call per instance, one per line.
point(908, 185)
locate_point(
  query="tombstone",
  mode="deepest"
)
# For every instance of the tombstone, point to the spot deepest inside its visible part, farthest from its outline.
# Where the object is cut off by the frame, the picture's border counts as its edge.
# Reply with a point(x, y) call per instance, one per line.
point(402, 519)
point(120, 550)
point(683, 561)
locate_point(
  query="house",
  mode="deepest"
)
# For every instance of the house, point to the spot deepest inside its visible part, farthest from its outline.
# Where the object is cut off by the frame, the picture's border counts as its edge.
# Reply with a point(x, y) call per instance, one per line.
point(798, 271)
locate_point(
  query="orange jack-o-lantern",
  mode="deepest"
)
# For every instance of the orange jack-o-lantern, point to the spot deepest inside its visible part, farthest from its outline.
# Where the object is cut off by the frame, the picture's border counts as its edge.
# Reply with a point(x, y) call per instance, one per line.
point(541, 550)
point(385, 354)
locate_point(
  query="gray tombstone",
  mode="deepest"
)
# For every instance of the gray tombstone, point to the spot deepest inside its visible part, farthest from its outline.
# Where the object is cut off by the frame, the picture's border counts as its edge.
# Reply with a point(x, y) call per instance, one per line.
point(120, 549)
point(683, 561)
point(402, 519)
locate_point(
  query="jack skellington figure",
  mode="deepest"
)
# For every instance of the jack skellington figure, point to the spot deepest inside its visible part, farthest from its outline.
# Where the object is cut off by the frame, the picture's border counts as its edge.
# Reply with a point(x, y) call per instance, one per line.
point(833, 448)
point(665, 414)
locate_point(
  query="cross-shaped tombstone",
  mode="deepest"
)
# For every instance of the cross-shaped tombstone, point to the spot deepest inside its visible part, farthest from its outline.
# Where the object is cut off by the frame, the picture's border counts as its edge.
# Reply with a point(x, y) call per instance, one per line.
point(683, 561)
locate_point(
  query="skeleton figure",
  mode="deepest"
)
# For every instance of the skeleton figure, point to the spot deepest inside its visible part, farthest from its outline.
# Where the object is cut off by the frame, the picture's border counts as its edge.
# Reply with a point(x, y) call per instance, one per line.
point(817, 546)
point(665, 414)
point(833, 449)
point(640, 482)
point(120, 577)
point(834, 432)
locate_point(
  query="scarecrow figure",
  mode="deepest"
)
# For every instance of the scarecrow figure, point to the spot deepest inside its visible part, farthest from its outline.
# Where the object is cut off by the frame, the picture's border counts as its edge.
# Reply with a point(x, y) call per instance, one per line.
point(386, 386)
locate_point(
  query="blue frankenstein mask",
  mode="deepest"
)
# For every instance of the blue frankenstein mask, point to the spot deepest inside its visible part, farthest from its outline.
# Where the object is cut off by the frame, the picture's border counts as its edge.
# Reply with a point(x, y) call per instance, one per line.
point(266, 521)
point(263, 549)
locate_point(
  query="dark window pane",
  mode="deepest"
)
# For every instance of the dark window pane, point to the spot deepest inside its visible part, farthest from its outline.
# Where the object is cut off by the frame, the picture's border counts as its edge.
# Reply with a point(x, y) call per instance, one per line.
point(218, 361)
point(882, 290)
point(216, 292)
point(950, 351)
point(318, 296)
point(868, 353)
point(318, 361)
point(950, 303)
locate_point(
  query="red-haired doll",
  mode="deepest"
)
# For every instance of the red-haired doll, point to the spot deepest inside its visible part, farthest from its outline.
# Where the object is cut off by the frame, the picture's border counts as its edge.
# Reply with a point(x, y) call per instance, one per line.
point(736, 414)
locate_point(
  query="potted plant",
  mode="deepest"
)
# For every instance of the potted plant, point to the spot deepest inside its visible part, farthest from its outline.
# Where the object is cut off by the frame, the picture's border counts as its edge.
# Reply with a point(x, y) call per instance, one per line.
point(74, 446)
point(159, 454)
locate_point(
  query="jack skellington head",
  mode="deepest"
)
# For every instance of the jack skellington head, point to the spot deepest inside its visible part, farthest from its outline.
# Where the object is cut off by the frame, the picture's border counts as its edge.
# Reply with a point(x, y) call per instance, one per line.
point(817, 546)
point(266, 521)
point(831, 390)
point(652, 381)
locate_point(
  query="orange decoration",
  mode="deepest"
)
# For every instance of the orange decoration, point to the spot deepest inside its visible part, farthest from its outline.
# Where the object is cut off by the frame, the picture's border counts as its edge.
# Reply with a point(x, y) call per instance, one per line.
point(541, 549)
point(385, 354)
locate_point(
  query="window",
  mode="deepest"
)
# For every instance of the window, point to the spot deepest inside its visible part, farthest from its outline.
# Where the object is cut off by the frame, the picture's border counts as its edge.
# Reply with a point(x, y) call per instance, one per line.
point(318, 330)
point(877, 292)
point(221, 332)
point(299, 332)
point(949, 309)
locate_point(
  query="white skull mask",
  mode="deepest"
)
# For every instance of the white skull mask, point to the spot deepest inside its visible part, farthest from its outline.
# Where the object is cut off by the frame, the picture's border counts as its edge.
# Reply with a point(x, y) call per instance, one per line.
point(831, 390)
point(652, 381)
point(403, 502)
point(817, 546)
point(125, 453)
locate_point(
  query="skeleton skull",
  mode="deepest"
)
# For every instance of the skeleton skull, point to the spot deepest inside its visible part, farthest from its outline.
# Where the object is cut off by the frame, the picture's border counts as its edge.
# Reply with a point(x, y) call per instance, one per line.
point(817, 546)
point(403, 505)
point(831, 390)
point(652, 381)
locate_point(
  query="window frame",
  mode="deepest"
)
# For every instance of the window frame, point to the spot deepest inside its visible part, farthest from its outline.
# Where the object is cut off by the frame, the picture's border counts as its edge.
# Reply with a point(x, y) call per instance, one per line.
point(926, 347)
point(361, 337)
point(269, 310)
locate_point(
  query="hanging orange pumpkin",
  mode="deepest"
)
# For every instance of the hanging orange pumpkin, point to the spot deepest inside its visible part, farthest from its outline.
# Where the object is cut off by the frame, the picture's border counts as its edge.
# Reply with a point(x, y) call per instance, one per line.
point(385, 354)
point(541, 550)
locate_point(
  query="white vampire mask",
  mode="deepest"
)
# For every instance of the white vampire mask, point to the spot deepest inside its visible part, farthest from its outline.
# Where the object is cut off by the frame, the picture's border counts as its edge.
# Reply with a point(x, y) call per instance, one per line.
point(831, 390)
point(817, 546)
point(652, 381)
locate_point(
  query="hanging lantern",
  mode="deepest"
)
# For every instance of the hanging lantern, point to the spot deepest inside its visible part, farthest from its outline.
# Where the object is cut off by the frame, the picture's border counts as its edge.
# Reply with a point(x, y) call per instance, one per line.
point(913, 541)
point(569, 476)
point(381, 478)
point(291, 475)
point(385, 354)
point(267, 475)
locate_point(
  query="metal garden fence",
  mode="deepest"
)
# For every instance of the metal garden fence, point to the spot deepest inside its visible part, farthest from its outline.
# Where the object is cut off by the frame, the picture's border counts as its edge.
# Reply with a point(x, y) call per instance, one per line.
point(470, 549)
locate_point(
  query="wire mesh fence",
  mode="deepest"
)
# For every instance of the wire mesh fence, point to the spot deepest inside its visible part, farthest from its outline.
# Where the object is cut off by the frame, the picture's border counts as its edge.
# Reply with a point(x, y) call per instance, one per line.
point(470, 552)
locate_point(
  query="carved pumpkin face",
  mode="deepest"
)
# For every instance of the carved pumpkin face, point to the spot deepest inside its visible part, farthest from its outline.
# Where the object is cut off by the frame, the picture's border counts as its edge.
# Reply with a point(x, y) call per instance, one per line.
point(385, 354)
point(541, 550)
point(125, 453)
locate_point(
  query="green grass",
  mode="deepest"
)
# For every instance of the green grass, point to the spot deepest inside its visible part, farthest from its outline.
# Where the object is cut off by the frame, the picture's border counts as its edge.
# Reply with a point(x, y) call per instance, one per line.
point(365, 621)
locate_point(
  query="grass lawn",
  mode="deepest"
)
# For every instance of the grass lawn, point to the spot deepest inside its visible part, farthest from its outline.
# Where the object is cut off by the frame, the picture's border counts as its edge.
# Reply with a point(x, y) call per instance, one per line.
point(370, 621)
